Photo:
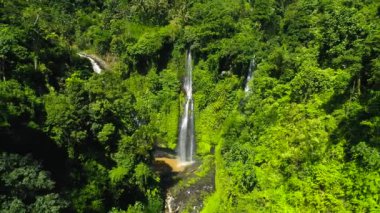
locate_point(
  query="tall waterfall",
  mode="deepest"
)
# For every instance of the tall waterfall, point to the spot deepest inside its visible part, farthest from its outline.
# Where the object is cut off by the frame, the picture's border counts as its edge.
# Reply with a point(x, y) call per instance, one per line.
point(251, 68)
point(186, 133)
point(95, 66)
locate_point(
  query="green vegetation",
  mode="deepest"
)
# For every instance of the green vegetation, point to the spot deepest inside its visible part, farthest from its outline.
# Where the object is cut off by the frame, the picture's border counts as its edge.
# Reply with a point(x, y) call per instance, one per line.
point(305, 138)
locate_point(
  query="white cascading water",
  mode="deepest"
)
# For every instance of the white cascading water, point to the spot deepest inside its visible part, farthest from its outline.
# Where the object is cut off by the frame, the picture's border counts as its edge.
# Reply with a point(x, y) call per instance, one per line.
point(251, 68)
point(95, 66)
point(186, 133)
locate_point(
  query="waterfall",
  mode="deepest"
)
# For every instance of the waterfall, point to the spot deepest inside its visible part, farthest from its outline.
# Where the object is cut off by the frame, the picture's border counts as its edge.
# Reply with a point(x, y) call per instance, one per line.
point(251, 68)
point(186, 131)
point(95, 65)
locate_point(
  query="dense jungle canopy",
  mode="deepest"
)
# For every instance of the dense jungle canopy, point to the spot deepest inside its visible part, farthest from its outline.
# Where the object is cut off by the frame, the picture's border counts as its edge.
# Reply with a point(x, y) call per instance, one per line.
point(304, 138)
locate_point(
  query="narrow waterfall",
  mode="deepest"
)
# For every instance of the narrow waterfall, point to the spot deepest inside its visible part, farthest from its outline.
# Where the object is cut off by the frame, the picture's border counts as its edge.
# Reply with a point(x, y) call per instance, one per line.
point(95, 65)
point(251, 68)
point(186, 132)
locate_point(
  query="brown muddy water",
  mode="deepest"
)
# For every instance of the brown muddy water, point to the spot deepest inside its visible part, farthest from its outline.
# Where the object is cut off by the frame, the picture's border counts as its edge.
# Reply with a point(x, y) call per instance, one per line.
point(174, 164)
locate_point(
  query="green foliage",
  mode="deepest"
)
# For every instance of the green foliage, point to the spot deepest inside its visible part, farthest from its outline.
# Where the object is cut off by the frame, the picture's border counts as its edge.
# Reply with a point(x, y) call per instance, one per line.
point(286, 150)
point(114, 135)
point(307, 83)
point(108, 129)
point(18, 104)
point(48, 203)
point(305, 137)
point(26, 187)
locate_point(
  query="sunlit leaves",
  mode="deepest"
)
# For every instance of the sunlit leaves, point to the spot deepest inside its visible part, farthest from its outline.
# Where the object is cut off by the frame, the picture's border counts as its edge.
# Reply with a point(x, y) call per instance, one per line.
point(309, 82)
point(107, 131)
point(118, 174)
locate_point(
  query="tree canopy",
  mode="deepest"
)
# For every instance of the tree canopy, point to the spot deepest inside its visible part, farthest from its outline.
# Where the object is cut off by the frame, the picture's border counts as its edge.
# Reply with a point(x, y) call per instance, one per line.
point(305, 137)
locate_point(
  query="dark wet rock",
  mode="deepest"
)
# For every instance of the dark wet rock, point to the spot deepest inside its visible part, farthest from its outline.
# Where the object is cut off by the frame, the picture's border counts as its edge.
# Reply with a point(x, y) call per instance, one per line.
point(191, 193)
point(184, 191)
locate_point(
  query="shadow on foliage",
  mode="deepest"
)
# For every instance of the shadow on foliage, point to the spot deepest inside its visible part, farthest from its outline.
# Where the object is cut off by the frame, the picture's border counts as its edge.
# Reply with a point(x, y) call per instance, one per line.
point(24, 140)
point(357, 124)
point(143, 63)
point(164, 55)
